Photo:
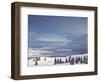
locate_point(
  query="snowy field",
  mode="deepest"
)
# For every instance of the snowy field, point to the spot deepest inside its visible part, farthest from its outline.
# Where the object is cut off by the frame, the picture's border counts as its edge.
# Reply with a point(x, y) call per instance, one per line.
point(47, 61)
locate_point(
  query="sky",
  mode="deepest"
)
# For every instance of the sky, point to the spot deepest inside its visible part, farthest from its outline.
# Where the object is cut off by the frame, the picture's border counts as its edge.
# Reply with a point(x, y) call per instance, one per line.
point(57, 35)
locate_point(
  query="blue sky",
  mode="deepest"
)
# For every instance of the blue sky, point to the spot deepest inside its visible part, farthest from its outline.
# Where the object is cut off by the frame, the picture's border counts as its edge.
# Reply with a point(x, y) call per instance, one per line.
point(58, 35)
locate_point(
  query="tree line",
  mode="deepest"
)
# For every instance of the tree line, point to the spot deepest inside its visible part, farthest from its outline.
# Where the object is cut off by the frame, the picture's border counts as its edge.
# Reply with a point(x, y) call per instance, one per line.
point(71, 60)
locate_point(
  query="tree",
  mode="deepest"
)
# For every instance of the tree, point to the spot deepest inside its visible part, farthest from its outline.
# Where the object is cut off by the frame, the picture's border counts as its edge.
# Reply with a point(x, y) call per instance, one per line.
point(55, 61)
point(69, 58)
point(60, 61)
point(36, 63)
point(72, 61)
point(85, 59)
point(81, 61)
point(76, 60)
point(66, 61)
point(45, 59)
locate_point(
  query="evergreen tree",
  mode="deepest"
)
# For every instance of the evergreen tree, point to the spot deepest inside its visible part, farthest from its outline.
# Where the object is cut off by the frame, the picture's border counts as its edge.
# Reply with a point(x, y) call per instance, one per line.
point(45, 59)
point(69, 58)
point(86, 60)
point(81, 60)
point(60, 61)
point(72, 61)
point(55, 61)
point(36, 63)
point(33, 59)
point(76, 60)
point(66, 61)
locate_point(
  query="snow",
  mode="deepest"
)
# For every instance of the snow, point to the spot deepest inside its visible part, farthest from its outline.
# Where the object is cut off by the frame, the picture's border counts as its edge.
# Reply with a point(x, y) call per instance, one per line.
point(48, 61)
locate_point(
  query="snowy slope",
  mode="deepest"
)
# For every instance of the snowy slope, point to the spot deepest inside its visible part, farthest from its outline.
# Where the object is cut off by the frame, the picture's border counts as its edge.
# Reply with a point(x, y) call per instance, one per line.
point(74, 59)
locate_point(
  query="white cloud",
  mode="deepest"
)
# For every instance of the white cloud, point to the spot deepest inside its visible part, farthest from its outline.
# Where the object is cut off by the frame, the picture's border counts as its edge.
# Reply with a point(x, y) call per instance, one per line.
point(37, 52)
point(63, 50)
point(54, 39)
point(47, 37)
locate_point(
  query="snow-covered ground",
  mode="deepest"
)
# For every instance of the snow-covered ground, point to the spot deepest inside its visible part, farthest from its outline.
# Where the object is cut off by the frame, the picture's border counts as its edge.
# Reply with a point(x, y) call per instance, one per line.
point(69, 60)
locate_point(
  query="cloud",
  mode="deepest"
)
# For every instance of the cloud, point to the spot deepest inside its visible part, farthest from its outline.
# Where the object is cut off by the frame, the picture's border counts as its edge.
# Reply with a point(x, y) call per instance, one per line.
point(63, 50)
point(47, 37)
point(67, 41)
point(38, 52)
point(53, 44)
point(47, 51)
point(48, 40)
